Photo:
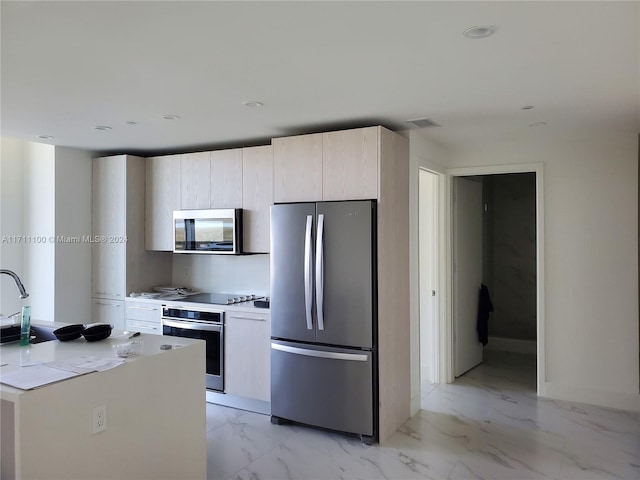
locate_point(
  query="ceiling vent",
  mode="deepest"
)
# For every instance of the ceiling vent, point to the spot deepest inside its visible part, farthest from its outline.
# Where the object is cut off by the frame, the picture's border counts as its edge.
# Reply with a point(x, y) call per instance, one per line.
point(423, 123)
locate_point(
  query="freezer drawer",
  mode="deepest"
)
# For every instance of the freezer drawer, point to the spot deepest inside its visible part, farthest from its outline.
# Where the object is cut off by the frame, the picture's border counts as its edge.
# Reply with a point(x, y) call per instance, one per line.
point(323, 386)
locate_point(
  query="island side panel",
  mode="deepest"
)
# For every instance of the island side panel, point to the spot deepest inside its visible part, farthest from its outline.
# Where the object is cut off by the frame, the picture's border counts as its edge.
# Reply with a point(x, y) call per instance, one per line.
point(7, 440)
point(156, 422)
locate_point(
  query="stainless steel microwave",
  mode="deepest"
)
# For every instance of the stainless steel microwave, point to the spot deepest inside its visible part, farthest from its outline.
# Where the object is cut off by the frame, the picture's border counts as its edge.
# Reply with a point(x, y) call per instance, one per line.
point(208, 231)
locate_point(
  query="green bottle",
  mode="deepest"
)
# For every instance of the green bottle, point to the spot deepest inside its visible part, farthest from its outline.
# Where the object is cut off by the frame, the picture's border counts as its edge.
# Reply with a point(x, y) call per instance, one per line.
point(25, 326)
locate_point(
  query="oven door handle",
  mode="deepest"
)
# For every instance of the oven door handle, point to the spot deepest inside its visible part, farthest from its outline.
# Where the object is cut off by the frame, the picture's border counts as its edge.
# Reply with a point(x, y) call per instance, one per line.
point(192, 325)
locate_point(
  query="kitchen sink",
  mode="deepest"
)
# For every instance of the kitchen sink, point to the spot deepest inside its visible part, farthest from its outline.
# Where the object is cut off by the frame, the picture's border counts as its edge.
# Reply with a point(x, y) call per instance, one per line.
point(39, 334)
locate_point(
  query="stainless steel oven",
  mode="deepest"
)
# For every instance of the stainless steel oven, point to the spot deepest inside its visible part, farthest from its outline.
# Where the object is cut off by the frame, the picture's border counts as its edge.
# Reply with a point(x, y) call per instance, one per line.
point(204, 324)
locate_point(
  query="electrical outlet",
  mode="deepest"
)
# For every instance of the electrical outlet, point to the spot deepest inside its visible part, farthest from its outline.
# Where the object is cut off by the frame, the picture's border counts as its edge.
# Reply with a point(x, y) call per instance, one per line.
point(99, 419)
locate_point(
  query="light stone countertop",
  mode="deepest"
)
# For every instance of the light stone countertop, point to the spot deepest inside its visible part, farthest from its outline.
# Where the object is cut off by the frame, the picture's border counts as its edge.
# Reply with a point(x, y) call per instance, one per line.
point(13, 354)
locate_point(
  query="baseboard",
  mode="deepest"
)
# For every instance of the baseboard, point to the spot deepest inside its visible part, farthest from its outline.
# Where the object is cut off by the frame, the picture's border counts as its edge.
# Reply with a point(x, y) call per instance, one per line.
point(619, 400)
point(512, 345)
point(243, 403)
point(415, 404)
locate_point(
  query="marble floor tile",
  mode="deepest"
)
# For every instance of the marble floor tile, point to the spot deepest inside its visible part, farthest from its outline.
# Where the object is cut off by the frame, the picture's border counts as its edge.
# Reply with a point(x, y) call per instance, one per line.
point(233, 446)
point(489, 424)
point(217, 415)
point(426, 388)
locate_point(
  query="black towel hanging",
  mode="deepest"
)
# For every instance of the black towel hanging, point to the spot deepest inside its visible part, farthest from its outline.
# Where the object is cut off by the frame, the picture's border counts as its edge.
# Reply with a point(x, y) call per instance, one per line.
point(484, 308)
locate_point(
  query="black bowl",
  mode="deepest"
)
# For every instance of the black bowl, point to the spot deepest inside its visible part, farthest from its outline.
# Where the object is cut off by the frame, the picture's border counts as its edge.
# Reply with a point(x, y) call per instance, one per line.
point(69, 332)
point(97, 332)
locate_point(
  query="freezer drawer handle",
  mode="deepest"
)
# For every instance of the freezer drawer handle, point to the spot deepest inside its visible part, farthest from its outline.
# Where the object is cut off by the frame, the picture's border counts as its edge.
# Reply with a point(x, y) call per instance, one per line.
point(307, 272)
point(320, 272)
point(356, 357)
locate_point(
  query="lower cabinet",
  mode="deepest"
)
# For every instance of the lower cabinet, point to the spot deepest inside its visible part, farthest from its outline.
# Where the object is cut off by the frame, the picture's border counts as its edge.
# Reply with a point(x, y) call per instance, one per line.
point(108, 311)
point(143, 317)
point(247, 355)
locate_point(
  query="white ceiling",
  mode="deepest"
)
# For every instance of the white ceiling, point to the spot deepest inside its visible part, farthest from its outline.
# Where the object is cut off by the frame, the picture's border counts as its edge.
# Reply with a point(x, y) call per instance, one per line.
point(69, 66)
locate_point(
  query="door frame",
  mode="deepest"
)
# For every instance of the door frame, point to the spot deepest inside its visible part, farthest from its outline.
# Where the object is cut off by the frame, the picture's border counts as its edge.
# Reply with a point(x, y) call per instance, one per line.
point(446, 330)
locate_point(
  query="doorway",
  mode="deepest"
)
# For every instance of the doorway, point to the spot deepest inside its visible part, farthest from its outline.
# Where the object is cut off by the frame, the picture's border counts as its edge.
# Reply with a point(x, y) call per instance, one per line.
point(508, 225)
point(495, 248)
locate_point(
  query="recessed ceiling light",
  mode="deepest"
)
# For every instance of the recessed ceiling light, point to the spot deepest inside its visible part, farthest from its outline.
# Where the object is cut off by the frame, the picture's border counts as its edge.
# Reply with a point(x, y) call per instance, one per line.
point(102, 127)
point(537, 124)
point(527, 107)
point(479, 31)
point(171, 117)
point(45, 137)
point(252, 104)
point(131, 123)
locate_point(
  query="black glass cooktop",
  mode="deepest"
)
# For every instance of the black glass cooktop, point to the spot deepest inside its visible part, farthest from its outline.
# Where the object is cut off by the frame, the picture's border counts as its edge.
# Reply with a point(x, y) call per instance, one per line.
point(220, 298)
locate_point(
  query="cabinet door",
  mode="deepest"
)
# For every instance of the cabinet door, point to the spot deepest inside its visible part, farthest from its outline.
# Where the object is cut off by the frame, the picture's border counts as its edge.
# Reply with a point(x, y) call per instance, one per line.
point(248, 355)
point(162, 198)
point(109, 195)
point(226, 178)
point(195, 185)
point(108, 259)
point(350, 164)
point(108, 311)
point(297, 168)
point(257, 197)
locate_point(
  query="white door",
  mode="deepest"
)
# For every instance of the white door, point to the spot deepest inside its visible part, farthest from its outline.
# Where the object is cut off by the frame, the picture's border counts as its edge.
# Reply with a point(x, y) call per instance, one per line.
point(467, 272)
point(428, 274)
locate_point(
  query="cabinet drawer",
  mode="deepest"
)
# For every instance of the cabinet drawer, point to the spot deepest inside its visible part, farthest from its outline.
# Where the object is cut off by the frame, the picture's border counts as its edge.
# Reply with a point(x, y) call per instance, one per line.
point(147, 312)
point(108, 311)
point(141, 326)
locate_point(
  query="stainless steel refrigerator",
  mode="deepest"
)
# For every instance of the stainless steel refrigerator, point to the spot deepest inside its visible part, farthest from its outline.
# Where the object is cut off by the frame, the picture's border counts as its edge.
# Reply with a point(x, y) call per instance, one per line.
point(324, 315)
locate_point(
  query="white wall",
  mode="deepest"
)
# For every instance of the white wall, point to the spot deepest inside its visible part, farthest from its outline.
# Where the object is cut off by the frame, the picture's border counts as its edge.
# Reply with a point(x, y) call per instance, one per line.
point(45, 191)
point(427, 155)
point(38, 227)
point(11, 179)
point(248, 274)
point(72, 218)
point(591, 258)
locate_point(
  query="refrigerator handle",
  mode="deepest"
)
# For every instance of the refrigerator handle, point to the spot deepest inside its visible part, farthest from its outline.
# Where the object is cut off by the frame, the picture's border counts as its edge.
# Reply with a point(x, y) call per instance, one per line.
point(356, 357)
point(307, 272)
point(320, 272)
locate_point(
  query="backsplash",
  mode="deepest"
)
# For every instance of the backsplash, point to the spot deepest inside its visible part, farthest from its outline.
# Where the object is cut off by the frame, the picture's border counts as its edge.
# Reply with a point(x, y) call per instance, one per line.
point(223, 273)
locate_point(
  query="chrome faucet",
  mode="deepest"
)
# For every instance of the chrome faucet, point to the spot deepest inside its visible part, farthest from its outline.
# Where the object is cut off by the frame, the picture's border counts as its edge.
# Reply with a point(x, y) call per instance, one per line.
point(23, 292)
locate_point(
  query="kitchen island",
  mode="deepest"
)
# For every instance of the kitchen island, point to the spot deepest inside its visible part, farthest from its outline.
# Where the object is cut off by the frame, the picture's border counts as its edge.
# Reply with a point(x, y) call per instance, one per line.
point(154, 404)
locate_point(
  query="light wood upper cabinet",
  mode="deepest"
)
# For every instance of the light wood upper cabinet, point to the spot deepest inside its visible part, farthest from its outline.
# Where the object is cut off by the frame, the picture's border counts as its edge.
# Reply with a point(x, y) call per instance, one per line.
point(226, 178)
point(162, 198)
point(195, 183)
point(257, 197)
point(297, 168)
point(350, 164)
point(248, 355)
point(340, 165)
